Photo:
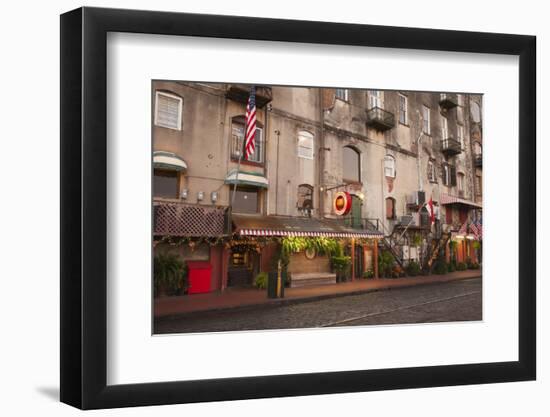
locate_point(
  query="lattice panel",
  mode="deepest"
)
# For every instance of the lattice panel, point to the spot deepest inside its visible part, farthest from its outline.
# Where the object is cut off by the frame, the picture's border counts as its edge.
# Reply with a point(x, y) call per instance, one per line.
point(178, 219)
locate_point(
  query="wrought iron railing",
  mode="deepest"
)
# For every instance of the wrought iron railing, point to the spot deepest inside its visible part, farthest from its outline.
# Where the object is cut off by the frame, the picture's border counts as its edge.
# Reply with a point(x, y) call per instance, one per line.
point(448, 100)
point(380, 119)
point(241, 92)
point(451, 146)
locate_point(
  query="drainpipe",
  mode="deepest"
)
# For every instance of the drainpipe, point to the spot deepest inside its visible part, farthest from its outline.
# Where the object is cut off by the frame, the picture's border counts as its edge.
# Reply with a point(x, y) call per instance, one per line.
point(321, 155)
point(266, 130)
point(278, 133)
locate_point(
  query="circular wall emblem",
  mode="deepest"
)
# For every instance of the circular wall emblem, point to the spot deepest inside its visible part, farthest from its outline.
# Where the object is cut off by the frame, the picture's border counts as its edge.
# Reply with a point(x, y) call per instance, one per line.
point(310, 253)
point(342, 203)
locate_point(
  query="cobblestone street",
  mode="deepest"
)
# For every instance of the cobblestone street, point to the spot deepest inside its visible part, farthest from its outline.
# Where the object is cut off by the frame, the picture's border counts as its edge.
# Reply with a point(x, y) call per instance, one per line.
point(451, 301)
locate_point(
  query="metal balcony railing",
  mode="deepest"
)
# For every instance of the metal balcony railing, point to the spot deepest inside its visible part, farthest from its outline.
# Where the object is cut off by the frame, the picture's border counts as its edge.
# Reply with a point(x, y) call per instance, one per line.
point(380, 119)
point(241, 92)
point(448, 101)
point(179, 219)
point(450, 146)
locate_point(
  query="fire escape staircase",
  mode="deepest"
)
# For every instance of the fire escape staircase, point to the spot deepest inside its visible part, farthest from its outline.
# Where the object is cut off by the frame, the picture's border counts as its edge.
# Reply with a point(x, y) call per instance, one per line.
point(437, 244)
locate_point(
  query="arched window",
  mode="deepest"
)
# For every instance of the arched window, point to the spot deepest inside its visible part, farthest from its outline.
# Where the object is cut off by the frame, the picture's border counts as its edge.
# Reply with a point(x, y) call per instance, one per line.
point(305, 145)
point(305, 198)
point(237, 140)
point(351, 161)
point(390, 208)
point(389, 166)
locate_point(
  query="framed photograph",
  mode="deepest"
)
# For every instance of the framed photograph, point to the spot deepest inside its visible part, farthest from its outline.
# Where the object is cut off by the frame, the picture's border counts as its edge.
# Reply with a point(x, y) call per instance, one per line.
point(257, 208)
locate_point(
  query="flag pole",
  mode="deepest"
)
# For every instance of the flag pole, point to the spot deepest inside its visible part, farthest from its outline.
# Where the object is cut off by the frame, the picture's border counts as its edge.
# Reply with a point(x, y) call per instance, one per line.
point(237, 174)
point(239, 163)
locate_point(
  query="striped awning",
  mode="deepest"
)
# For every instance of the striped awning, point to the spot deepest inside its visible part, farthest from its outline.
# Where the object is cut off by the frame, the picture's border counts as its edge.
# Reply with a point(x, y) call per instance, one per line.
point(254, 225)
point(253, 179)
point(169, 160)
point(446, 199)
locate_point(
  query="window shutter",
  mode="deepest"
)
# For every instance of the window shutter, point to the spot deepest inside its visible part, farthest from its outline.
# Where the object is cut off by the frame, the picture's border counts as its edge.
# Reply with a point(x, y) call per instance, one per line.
point(443, 178)
point(389, 208)
point(453, 175)
point(168, 111)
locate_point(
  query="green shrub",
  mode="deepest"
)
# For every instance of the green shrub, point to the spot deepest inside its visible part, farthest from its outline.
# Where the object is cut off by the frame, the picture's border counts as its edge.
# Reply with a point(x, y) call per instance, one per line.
point(473, 265)
point(413, 268)
point(170, 274)
point(386, 262)
point(369, 273)
point(341, 265)
point(260, 281)
point(440, 267)
point(461, 266)
point(451, 267)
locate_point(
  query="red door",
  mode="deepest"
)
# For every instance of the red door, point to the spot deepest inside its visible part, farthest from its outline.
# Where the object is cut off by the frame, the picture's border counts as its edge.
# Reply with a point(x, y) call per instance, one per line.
point(199, 276)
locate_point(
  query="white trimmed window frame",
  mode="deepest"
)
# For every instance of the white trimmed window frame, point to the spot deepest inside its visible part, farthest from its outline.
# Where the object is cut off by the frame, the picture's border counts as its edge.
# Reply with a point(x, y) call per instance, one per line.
point(460, 135)
point(342, 94)
point(444, 128)
point(426, 121)
point(431, 171)
point(376, 99)
point(180, 110)
point(389, 166)
point(403, 99)
point(305, 145)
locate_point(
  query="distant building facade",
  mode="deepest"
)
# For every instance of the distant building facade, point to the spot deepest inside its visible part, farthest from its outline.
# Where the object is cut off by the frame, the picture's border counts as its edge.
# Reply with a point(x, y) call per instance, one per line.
point(392, 151)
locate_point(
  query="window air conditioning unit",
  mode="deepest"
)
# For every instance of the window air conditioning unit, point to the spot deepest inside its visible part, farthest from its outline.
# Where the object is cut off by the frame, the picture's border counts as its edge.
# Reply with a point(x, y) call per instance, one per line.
point(417, 198)
point(405, 220)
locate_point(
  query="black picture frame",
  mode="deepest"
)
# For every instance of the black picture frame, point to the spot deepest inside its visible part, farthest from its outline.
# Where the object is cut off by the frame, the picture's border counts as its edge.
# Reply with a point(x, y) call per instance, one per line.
point(84, 207)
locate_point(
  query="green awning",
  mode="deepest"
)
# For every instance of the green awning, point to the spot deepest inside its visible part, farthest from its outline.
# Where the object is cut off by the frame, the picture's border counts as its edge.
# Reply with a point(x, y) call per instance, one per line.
point(169, 160)
point(254, 179)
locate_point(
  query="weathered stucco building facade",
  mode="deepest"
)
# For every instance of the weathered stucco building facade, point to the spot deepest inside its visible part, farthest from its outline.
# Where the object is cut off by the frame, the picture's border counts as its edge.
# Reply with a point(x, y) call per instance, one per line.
point(392, 151)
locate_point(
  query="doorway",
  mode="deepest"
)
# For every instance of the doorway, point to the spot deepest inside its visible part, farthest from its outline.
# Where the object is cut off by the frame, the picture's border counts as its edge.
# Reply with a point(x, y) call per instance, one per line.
point(244, 265)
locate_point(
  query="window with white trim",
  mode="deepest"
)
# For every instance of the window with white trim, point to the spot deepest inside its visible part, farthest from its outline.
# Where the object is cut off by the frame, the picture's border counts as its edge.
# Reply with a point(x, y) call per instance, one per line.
point(460, 135)
point(389, 166)
point(342, 94)
point(351, 159)
point(459, 109)
point(305, 145)
point(376, 99)
point(431, 171)
point(426, 120)
point(444, 128)
point(460, 181)
point(403, 109)
point(168, 110)
point(237, 140)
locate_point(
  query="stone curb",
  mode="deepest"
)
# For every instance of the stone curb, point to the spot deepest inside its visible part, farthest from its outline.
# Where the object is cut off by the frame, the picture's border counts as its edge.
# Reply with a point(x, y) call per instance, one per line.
point(276, 302)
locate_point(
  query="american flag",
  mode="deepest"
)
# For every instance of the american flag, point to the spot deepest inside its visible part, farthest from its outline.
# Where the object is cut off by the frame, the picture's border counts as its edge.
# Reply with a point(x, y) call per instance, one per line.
point(477, 229)
point(250, 130)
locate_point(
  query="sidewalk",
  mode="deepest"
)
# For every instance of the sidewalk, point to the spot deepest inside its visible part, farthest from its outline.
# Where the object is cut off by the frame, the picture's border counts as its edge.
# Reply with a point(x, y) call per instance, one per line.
point(243, 298)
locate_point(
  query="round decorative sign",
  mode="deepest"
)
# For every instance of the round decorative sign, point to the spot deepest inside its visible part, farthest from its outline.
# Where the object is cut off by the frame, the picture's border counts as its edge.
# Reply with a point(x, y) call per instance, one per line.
point(310, 253)
point(342, 203)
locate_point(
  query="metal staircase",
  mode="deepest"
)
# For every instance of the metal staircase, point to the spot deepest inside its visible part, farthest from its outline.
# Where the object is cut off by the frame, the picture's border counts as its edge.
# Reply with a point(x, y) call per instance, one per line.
point(436, 245)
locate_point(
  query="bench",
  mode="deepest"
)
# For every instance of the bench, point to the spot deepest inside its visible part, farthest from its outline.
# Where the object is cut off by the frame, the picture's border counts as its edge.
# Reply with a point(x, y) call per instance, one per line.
point(312, 278)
